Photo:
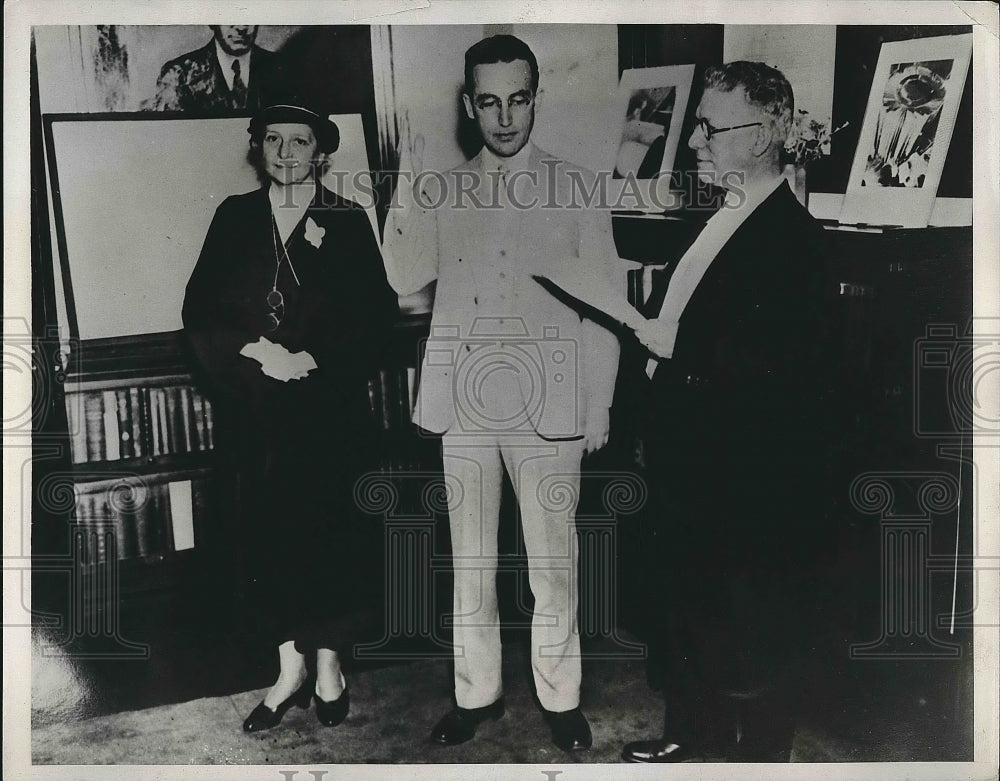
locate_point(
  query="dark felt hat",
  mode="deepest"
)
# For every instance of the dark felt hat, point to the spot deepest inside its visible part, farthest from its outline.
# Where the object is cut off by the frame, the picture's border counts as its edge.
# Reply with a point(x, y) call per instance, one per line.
point(291, 110)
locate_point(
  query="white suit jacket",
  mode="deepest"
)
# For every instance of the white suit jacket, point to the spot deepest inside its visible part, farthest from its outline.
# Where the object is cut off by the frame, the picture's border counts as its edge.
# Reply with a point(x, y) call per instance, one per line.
point(572, 361)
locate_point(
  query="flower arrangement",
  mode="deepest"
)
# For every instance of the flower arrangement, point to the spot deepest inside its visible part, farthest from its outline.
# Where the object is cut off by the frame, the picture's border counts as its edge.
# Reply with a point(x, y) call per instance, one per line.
point(808, 140)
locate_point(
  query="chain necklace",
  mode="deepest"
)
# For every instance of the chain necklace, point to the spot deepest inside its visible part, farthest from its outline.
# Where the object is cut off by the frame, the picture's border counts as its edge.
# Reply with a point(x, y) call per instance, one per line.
point(278, 259)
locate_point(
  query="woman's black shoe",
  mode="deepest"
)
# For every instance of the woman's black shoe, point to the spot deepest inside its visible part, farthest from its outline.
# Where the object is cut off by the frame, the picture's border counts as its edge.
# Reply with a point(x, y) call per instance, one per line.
point(331, 713)
point(262, 717)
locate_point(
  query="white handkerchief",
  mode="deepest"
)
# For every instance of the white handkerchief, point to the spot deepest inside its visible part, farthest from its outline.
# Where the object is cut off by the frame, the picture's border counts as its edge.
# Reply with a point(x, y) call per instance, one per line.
point(277, 361)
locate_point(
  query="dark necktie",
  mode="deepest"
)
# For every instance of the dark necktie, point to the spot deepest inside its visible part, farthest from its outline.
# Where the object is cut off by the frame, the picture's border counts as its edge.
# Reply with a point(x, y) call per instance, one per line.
point(239, 88)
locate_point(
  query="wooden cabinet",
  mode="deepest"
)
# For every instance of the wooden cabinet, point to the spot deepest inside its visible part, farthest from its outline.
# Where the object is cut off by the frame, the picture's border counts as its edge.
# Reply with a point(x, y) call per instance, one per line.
point(148, 492)
point(903, 309)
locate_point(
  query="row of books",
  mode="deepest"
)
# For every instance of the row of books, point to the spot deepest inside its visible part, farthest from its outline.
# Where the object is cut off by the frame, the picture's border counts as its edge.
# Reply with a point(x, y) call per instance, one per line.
point(137, 519)
point(146, 422)
point(138, 422)
point(393, 396)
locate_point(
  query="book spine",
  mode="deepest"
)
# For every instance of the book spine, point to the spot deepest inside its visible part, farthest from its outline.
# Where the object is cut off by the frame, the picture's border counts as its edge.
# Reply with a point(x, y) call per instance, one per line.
point(127, 447)
point(402, 397)
point(109, 417)
point(411, 381)
point(156, 522)
point(181, 515)
point(210, 424)
point(94, 426)
point(385, 392)
point(173, 424)
point(136, 412)
point(187, 419)
point(143, 511)
point(201, 497)
point(102, 521)
point(164, 519)
point(83, 515)
point(373, 399)
point(77, 429)
point(198, 419)
point(157, 419)
point(128, 532)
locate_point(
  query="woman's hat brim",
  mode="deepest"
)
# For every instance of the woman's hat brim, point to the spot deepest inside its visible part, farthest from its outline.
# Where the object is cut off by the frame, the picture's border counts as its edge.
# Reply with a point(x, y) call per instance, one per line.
point(326, 131)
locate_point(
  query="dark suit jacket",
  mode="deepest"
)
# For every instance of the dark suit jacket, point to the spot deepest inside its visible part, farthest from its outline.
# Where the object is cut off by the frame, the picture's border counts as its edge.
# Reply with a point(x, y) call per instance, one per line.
point(739, 413)
point(341, 313)
point(194, 82)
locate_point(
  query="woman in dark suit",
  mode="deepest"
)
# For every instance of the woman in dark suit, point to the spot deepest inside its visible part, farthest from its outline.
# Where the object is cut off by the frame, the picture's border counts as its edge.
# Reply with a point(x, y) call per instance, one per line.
point(287, 311)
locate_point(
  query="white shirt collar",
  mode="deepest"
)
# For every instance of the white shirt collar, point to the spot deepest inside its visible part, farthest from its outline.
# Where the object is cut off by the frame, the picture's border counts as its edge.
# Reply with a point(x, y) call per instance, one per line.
point(305, 194)
point(287, 216)
point(519, 162)
point(226, 61)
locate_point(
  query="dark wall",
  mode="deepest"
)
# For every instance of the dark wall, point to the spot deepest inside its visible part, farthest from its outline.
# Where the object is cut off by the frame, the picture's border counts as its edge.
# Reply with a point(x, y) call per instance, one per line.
point(655, 45)
point(334, 66)
point(857, 51)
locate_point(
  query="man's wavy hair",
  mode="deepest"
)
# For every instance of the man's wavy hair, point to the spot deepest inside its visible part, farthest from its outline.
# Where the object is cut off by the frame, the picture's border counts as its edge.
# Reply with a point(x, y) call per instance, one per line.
point(765, 87)
point(499, 48)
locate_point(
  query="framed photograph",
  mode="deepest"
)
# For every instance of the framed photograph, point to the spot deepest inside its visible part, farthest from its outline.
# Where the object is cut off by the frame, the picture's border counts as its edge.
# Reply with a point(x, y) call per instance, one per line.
point(908, 125)
point(651, 107)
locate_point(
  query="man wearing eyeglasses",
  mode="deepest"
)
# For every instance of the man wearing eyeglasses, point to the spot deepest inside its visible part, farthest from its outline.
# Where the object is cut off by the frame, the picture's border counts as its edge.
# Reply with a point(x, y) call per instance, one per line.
point(513, 378)
point(734, 436)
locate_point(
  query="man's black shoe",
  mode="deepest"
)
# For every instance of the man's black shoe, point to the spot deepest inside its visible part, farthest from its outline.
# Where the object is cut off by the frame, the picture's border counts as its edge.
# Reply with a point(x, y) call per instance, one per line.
point(570, 730)
point(656, 751)
point(460, 724)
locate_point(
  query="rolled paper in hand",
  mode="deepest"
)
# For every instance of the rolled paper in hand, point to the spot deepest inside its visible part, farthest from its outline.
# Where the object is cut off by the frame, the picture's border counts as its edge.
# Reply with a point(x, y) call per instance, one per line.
point(597, 292)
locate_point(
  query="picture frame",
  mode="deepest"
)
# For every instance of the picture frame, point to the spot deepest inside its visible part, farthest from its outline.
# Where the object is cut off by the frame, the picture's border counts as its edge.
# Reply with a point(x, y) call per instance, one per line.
point(110, 228)
point(651, 103)
point(909, 119)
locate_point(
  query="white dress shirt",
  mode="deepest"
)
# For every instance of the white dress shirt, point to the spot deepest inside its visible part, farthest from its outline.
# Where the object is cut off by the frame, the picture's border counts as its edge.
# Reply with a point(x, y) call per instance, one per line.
point(692, 267)
point(226, 61)
point(496, 268)
point(288, 207)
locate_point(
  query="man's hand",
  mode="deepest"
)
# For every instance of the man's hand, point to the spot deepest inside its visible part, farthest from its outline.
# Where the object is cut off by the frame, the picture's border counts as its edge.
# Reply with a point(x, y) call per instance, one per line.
point(658, 337)
point(409, 243)
point(598, 429)
point(411, 163)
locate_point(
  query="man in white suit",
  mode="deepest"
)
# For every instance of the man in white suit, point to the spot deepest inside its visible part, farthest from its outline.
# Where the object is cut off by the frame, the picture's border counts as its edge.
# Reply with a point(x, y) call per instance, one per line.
point(511, 377)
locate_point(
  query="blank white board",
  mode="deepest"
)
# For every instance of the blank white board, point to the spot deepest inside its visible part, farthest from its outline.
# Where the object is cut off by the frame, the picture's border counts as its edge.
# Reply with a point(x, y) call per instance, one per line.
point(137, 196)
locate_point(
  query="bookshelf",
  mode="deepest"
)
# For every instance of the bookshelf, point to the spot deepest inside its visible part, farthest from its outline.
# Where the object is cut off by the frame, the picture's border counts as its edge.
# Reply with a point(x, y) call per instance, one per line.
point(392, 392)
point(144, 462)
point(141, 440)
point(900, 295)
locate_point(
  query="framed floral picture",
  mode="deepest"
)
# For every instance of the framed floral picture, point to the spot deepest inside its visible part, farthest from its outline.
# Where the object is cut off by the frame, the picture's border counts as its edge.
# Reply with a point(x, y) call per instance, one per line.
point(907, 129)
point(651, 107)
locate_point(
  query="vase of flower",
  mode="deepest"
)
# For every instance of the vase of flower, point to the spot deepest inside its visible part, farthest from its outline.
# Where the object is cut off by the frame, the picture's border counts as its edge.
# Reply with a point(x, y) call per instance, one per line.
point(808, 140)
point(795, 175)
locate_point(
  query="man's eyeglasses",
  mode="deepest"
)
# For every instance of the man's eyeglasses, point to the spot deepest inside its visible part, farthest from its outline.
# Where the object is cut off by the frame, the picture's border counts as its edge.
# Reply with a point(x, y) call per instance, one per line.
point(710, 131)
point(517, 102)
point(276, 302)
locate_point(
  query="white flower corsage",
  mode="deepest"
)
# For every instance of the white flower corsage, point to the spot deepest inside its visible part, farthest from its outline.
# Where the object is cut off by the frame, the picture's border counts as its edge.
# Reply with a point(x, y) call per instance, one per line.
point(314, 233)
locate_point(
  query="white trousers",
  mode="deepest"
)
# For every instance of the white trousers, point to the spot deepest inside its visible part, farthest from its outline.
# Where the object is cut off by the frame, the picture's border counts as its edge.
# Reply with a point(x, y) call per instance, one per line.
point(546, 479)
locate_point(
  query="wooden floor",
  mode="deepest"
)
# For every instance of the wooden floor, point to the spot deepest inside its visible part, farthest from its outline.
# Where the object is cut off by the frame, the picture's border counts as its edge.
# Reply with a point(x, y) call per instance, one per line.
point(177, 690)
